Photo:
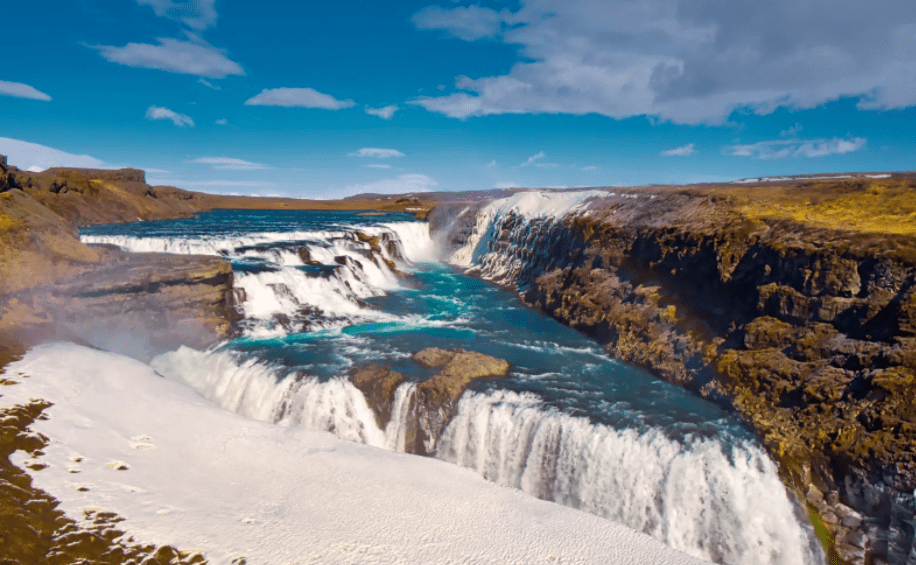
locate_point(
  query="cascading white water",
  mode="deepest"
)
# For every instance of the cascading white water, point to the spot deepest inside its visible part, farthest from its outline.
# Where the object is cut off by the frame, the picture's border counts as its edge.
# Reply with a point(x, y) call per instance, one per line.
point(530, 217)
point(278, 289)
point(725, 507)
point(260, 392)
point(721, 503)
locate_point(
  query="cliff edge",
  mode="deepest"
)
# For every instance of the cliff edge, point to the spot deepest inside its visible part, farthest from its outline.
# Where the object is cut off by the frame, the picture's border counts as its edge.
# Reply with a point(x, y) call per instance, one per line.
point(54, 287)
point(792, 303)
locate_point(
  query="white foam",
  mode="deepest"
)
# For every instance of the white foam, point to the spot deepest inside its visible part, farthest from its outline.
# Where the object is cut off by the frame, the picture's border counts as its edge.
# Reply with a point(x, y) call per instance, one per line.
point(691, 496)
point(282, 292)
point(232, 487)
point(204, 244)
point(545, 206)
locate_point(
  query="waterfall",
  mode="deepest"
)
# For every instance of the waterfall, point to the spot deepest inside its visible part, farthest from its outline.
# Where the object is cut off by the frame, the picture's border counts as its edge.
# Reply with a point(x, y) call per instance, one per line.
point(727, 506)
point(302, 280)
point(724, 504)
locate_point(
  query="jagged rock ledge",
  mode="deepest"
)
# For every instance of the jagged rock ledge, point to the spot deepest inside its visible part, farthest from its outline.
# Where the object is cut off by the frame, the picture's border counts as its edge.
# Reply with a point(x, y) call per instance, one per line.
point(434, 401)
point(805, 329)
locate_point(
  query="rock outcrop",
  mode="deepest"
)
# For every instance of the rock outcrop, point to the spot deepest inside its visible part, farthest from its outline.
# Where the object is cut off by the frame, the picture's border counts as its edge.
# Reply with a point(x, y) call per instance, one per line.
point(434, 401)
point(806, 330)
point(53, 286)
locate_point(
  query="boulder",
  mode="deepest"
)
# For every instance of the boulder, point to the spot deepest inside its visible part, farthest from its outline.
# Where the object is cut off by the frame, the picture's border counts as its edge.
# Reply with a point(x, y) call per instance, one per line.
point(435, 401)
point(378, 384)
point(434, 357)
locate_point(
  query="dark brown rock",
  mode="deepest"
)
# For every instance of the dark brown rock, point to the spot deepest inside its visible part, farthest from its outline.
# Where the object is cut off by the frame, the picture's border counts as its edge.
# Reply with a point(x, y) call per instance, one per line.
point(806, 332)
point(434, 357)
point(378, 384)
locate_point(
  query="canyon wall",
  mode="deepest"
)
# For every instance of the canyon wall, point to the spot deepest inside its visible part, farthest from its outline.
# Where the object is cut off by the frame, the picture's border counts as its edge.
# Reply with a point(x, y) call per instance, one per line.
point(54, 287)
point(808, 332)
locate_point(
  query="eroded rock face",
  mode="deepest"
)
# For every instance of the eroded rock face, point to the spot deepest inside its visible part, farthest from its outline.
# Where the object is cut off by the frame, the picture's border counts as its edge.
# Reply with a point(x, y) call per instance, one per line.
point(435, 401)
point(807, 333)
point(378, 383)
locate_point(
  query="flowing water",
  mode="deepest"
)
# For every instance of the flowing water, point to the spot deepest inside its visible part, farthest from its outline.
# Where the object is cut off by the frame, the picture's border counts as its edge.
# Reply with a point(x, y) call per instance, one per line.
point(324, 292)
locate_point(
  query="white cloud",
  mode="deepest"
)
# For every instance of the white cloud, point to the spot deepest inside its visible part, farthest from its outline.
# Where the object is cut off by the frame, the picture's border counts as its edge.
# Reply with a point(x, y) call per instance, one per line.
point(492, 163)
point(384, 113)
point(783, 148)
point(685, 61)
point(228, 164)
point(20, 90)
point(208, 84)
point(401, 185)
point(468, 23)
point(35, 157)
point(298, 98)
point(376, 152)
point(590, 168)
point(376, 166)
point(174, 56)
point(533, 158)
point(546, 165)
point(198, 14)
point(222, 122)
point(682, 151)
point(159, 113)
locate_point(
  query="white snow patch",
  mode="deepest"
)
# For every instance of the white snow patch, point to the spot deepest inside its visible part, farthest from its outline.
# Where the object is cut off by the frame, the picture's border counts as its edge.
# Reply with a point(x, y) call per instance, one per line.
point(230, 486)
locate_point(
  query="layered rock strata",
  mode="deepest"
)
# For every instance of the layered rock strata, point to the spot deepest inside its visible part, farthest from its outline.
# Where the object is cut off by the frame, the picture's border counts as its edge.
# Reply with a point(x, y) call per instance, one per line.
point(53, 286)
point(808, 333)
point(434, 401)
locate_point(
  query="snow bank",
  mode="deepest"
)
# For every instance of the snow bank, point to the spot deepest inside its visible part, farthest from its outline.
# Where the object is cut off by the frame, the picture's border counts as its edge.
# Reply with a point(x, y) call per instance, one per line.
point(198, 477)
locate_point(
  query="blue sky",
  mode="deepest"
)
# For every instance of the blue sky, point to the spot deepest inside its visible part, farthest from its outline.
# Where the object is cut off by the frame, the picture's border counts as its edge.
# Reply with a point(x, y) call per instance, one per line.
point(323, 100)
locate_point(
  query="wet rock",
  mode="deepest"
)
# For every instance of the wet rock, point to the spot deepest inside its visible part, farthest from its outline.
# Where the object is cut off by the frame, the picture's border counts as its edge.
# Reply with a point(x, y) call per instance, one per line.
point(436, 399)
point(807, 333)
point(378, 384)
point(434, 357)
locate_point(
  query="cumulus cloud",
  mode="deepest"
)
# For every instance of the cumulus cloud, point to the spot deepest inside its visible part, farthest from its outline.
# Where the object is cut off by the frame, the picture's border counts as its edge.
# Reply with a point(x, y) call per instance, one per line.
point(783, 148)
point(197, 14)
point(222, 122)
point(687, 61)
point(228, 164)
point(682, 151)
point(400, 185)
point(376, 152)
point(21, 90)
point(468, 23)
point(533, 158)
point(384, 113)
point(159, 113)
point(193, 57)
point(492, 163)
point(35, 157)
point(298, 98)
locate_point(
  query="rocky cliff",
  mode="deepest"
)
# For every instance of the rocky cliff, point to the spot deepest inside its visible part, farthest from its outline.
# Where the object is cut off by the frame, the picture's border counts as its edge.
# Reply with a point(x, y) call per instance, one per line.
point(795, 306)
point(53, 286)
